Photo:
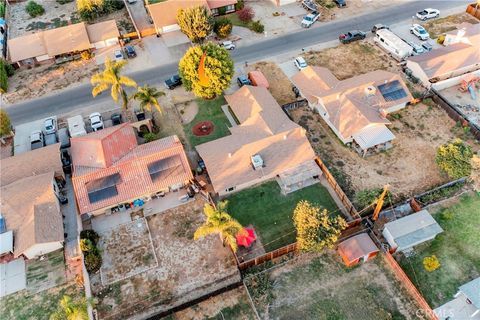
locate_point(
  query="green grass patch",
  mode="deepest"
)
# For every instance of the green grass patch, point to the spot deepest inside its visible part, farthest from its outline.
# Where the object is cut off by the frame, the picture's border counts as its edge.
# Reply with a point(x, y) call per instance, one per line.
point(208, 110)
point(457, 249)
point(271, 212)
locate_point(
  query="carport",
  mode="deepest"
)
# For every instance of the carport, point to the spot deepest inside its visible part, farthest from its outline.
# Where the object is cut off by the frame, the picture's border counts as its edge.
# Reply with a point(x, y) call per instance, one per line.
point(12, 277)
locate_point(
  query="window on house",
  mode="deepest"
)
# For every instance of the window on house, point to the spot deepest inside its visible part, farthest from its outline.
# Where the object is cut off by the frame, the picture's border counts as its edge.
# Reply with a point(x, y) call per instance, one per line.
point(230, 189)
point(103, 188)
point(214, 11)
point(164, 169)
point(230, 7)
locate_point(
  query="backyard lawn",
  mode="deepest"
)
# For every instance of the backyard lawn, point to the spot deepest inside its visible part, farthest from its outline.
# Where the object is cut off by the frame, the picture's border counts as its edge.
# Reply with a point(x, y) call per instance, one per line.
point(208, 110)
point(271, 213)
point(457, 249)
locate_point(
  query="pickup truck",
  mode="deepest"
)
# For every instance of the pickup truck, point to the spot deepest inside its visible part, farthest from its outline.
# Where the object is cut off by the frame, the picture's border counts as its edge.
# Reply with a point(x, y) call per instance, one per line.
point(310, 19)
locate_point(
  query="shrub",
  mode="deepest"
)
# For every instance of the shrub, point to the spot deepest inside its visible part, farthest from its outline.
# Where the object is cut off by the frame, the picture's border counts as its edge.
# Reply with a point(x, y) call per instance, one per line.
point(222, 11)
point(431, 263)
point(34, 9)
point(239, 5)
point(3, 5)
point(5, 124)
point(454, 159)
point(223, 27)
point(10, 69)
point(93, 262)
point(90, 235)
point(366, 197)
point(86, 55)
point(150, 136)
point(3, 76)
point(257, 26)
point(86, 245)
point(246, 14)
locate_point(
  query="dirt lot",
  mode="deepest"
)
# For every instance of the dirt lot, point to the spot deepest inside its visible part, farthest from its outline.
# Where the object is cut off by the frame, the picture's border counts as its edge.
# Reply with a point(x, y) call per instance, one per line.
point(186, 268)
point(280, 85)
point(409, 167)
point(321, 287)
point(436, 27)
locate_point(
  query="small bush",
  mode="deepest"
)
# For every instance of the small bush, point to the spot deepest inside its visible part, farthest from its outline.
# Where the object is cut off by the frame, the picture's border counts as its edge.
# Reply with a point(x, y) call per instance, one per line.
point(454, 159)
point(366, 197)
point(239, 5)
point(93, 262)
point(90, 235)
point(223, 27)
point(222, 11)
point(34, 9)
point(257, 26)
point(5, 124)
point(447, 215)
point(3, 76)
point(86, 245)
point(86, 55)
point(10, 70)
point(431, 263)
point(246, 14)
point(149, 137)
point(3, 5)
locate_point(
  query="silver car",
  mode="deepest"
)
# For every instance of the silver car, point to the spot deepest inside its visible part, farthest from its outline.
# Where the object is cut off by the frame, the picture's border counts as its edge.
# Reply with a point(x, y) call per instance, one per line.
point(50, 125)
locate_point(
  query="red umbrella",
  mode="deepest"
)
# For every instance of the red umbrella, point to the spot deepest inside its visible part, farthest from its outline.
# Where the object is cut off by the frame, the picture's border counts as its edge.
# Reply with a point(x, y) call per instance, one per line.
point(246, 237)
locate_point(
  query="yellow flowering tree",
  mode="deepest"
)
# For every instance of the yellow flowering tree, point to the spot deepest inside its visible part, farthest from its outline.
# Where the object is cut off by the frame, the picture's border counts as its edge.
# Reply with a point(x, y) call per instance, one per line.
point(454, 159)
point(431, 263)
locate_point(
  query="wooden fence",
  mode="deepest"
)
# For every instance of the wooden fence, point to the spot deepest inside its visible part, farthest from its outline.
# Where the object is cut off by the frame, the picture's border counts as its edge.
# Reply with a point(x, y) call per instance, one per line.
point(412, 290)
point(338, 190)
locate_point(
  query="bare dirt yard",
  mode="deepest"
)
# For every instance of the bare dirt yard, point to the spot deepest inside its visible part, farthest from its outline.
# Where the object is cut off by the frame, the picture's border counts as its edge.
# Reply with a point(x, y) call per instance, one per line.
point(437, 27)
point(186, 270)
point(319, 286)
point(409, 167)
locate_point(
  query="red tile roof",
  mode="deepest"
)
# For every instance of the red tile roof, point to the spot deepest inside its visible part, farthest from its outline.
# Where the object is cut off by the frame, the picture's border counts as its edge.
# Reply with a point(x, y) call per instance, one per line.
point(119, 154)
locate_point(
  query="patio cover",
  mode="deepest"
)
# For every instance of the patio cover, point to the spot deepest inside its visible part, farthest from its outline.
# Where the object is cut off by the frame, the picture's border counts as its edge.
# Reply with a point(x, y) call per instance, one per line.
point(472, 291)
point(373, 135)
point(356, 247)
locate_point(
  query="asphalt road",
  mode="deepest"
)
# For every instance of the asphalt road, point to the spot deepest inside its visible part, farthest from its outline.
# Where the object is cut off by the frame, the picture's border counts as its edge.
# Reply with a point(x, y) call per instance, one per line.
point(70, 99)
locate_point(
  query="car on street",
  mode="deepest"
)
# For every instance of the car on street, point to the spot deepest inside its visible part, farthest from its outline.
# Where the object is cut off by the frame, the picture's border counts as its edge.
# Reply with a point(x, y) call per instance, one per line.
point(119, 55)
point(351, 36)
point(379, 26)
point(428, 13)
point(300, 63)
point(229, 45)
point(420, 32)
point(417, 49)
point(96, 121)
point(50, 125)
point(173, 82)
point(243, 81)
point(116, 119)
point(37, 140)
point(130, 51)
point(310, 19)
point(340, 3)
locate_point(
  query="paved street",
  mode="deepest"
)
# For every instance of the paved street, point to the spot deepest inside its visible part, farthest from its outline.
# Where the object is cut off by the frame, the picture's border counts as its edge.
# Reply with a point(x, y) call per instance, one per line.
point(80, 96)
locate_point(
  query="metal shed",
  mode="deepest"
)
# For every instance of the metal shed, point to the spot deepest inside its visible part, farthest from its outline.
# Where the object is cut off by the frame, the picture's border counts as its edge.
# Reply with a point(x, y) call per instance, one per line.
point(356, 249)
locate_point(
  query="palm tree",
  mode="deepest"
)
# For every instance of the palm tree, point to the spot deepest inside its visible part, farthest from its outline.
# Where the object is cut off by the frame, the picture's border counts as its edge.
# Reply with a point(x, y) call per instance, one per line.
point(148, 98)
point(219, 221)
point(112, 78)
point(70, 310)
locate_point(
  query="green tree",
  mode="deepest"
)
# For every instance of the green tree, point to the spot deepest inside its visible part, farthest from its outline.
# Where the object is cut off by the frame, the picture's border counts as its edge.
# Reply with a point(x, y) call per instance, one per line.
point(112, 78)
point(223, 27)
point(68, 309)
point(475, 175)
point(218, 68)
point(3, 76)
point(86, 245)
point(34, 9)
point(148, 98)
point(454, 159)
point(366, 197)
point(220, 222)
point(5, 124)
point(316, 229)
point(195, 22)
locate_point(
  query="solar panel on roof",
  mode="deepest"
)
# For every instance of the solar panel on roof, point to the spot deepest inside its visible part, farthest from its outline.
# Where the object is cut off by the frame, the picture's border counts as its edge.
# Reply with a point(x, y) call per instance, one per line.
point(392, 91)
point(164, 168)
point(103, 188)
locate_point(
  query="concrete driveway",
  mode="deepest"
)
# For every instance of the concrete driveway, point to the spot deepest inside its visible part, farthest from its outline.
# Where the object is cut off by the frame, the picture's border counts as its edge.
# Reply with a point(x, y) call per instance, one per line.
point(403, 31)
point(288, 68)
point(21, 140)
point(12, 277)
point(140, 15)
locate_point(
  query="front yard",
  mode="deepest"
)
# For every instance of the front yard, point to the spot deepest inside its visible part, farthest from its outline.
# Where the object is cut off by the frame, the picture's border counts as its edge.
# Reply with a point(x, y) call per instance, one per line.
point(437, 27)
point(319, 286)
point(457, 250)
point(270, 212)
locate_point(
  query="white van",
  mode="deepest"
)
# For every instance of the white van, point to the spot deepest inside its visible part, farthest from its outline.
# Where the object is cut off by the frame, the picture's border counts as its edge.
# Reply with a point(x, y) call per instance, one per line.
point(393, 44)
point(76, 126)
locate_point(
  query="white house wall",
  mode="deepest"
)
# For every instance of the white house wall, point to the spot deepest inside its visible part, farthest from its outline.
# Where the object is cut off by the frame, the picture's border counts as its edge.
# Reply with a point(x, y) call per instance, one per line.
point(170, 28)
point(444, 84)
point(42, 248)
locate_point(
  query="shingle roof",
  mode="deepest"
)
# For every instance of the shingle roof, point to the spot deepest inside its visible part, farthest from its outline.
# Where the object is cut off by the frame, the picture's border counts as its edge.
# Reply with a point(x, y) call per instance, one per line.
point(102, 31)
point(26, 47)
point(357, 247)
point(130, 162)
point(265, 130)
point(165, 13)
point(213, 4)
point(31, 210)
point(66, 39)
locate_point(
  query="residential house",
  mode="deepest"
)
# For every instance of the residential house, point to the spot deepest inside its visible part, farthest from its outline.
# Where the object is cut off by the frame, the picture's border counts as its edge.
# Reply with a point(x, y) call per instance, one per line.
point(110, 168)
point(164, 13)
point(46, 46)
point(466, 304)
point(405, 233)
point(356, 249)
point(355, 108)
point(32, 223)
point(265, 145)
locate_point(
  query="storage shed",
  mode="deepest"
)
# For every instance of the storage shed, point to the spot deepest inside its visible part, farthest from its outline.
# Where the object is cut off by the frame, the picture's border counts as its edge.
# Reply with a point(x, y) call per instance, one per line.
point(405, 233)
point(356, 249)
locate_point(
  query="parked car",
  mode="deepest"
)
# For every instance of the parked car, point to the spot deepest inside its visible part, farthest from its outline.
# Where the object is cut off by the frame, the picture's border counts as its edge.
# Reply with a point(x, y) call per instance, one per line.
point(130, 51)
point(119, 55)
point(132, 1)
point(96, 121)
point(116, 119)
point(76, 126)
point(340, 3)
point(50, 138)
point(351, 36)
point(229, 45)
point(50, 125)
point(379, 26)
point(428, 13)
point(37, 140)
point(419, 32)
point(64, 138)
point(243, 80)
point(310, 19)
point(173, 82)
point(300, 63)
point(417, 49)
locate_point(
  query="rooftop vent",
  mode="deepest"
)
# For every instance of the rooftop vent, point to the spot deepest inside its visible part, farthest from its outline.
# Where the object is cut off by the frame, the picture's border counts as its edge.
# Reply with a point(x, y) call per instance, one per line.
point(257, 161)
point(370, 91)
